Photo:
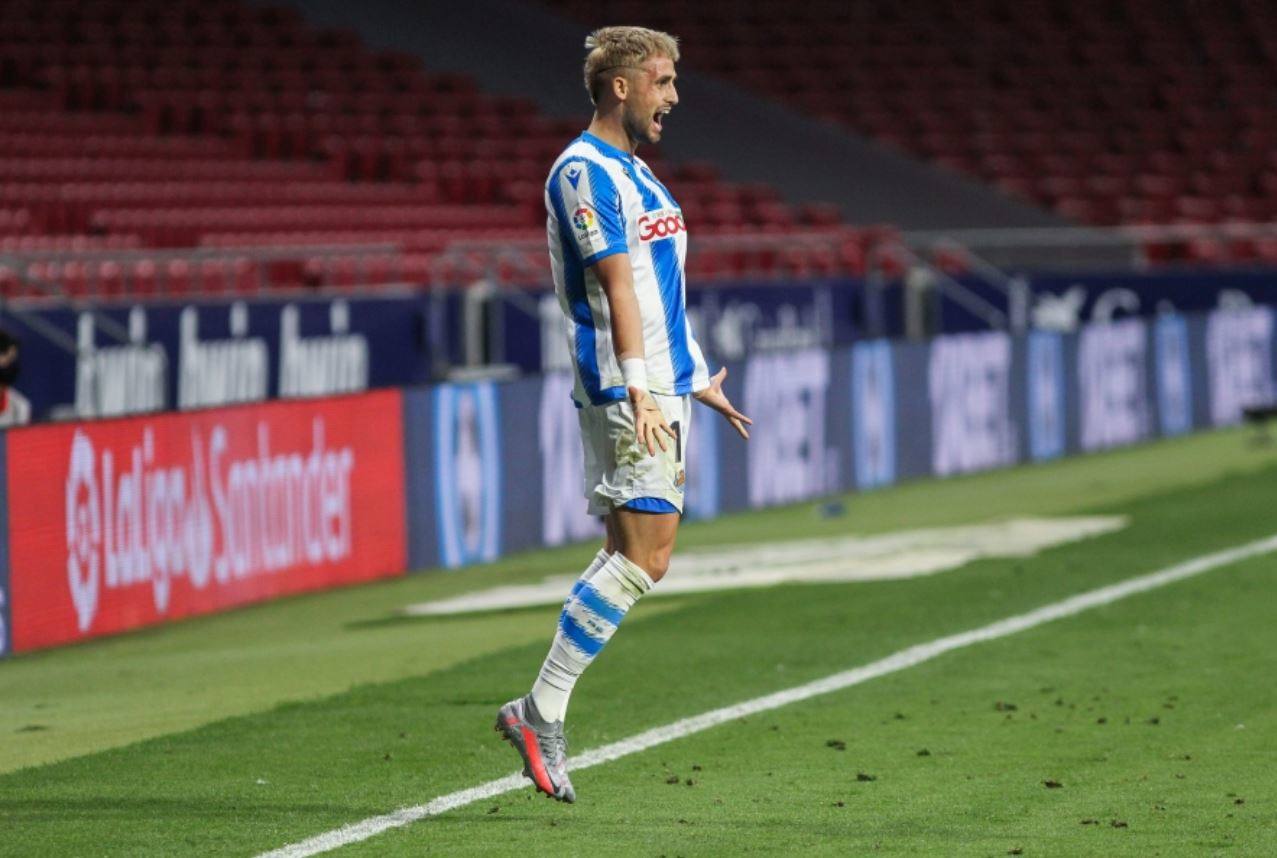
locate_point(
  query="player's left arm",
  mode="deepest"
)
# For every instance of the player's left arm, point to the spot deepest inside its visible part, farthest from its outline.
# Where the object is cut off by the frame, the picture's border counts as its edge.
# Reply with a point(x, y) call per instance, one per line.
point(715, 398)
point(708, 389)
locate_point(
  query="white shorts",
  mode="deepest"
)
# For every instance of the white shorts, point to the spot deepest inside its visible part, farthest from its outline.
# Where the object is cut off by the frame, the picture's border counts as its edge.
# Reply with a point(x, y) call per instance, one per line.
point(619, 471)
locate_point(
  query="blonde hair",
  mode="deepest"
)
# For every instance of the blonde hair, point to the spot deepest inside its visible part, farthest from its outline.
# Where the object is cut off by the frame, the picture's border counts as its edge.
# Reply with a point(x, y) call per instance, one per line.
point(623, 47)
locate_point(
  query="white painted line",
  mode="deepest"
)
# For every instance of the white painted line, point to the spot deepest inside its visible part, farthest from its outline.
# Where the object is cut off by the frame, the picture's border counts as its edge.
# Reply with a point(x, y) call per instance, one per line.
point(883, 557)
point(905, 658)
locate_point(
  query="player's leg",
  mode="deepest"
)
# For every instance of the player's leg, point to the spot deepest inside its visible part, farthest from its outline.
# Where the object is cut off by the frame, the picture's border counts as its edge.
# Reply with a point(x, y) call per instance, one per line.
point(645, 539)
point(598, 602)
point(642, 496)
point(533, 724)
point(645, 493)
point(609, 546)
point(595, 452)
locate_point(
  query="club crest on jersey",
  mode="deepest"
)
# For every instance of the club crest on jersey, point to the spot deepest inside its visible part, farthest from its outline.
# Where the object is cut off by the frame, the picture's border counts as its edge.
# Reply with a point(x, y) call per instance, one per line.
point(662, 223)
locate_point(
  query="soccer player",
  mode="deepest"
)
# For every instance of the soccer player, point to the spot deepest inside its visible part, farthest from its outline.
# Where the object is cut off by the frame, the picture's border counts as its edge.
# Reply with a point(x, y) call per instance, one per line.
point(617, 247)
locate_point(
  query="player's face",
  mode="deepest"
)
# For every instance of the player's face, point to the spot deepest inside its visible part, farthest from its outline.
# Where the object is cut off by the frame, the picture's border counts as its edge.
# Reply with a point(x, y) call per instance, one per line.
point(651, 96)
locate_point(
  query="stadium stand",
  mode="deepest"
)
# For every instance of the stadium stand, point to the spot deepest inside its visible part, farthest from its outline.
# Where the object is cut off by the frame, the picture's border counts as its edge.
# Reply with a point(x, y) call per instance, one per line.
point(524, 49)
point(1130, 112)
point(126, 127)
point(133, 125)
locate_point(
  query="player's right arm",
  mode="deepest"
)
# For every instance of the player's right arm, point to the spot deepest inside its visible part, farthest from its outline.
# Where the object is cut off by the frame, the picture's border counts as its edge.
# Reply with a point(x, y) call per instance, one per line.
point(591, 203)
point(617, 279)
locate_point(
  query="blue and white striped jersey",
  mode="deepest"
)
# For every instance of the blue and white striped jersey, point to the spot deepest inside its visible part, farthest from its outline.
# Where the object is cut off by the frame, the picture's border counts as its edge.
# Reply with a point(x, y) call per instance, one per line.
point(601, 201)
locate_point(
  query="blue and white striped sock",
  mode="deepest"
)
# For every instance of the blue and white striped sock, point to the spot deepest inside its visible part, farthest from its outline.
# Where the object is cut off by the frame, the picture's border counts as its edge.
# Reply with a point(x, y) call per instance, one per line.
point(590, 616)
point(549, 696)
point(595, 565)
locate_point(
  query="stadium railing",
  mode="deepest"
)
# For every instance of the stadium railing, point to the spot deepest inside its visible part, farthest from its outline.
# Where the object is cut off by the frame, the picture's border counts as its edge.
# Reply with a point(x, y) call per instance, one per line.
point(1135, 246)
point(924, 264)
point(95, 274)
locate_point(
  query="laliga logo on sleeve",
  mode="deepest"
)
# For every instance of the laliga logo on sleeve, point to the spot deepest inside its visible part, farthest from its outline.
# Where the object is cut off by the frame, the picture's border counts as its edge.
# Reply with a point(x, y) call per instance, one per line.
point(662, 223)
point(84, 532)
point(583, 219)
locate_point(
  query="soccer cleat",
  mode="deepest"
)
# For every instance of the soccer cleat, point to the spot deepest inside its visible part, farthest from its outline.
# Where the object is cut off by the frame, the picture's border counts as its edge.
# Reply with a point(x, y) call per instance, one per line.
point(542, 746)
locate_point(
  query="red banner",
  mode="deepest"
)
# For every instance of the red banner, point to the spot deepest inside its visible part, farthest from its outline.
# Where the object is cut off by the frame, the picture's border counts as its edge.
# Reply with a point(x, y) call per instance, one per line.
point(120, 524)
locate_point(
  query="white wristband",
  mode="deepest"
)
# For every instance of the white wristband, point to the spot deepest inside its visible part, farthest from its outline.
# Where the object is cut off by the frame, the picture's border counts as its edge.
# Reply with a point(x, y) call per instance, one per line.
point(634, 371)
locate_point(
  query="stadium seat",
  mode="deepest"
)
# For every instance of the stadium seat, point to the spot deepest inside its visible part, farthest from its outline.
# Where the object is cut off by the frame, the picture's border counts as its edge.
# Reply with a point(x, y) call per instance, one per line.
point(176, 124)
point(1128, 112)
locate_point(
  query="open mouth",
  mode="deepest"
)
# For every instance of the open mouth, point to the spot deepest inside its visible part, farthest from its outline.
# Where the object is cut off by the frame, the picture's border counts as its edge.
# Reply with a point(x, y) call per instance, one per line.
point(658, 118)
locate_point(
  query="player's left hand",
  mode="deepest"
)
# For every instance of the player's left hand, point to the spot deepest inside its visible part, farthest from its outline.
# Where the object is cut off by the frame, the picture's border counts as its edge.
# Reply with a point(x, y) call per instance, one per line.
point(650, 428)
point(714, 397)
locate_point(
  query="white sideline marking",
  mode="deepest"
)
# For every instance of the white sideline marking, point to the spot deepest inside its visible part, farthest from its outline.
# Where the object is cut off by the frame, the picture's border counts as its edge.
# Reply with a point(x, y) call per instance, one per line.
point(883, 557)
point(905, 658)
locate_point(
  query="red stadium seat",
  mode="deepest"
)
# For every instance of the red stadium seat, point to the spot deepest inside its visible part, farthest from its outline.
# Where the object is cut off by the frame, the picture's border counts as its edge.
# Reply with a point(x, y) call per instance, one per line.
point(211, 126)
point(1144, 112)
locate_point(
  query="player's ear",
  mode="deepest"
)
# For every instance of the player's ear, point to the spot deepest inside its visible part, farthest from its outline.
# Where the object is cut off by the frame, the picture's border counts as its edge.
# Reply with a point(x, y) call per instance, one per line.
point(620, 87)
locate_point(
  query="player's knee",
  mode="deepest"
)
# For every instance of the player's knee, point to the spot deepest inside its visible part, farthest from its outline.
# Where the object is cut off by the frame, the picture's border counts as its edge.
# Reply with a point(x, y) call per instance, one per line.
point(657, 563)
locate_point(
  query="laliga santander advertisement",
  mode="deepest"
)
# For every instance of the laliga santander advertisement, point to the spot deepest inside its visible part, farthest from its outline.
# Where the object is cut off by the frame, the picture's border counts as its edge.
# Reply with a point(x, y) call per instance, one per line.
point(126, 523)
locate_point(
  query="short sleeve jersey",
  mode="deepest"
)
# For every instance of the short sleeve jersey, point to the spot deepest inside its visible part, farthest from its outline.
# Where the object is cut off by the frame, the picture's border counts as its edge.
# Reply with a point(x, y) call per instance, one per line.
point(602, 201)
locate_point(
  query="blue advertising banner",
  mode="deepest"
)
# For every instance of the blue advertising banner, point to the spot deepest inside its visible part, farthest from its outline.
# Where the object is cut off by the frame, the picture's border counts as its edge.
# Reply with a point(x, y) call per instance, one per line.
point(562, 502)
point(733, 476)
point(177, 355)
point(419, 487)
point(912, 406)
point(1091, 297)
point(703, 450)
point(495, 468)
point(467, 473)
point(1113, 402)
point(524, 477)
point(1046, 394)
point(160, 355)
point(969, 386)
point(1174, 379)
point(790, 456)
point(1067, 301)
point(1239, 361)
point(873, 408)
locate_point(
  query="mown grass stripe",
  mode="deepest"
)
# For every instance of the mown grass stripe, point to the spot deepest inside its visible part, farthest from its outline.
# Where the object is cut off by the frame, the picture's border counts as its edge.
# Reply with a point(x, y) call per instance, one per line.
point(906, 658)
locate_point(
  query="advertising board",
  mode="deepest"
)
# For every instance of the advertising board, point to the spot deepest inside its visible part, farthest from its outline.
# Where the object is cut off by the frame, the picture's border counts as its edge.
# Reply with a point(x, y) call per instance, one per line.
point(126, 523)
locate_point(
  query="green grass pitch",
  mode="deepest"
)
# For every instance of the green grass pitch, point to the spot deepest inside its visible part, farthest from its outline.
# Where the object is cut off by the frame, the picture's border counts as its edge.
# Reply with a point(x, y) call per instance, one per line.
point(1147, 727)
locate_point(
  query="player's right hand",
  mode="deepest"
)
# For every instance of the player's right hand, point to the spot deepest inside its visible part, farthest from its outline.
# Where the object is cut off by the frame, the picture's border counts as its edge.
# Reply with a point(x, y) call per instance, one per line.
point(649, 422)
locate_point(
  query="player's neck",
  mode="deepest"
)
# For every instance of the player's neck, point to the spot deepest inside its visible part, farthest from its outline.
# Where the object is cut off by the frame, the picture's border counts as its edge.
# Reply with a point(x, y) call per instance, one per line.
point(610, 130)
